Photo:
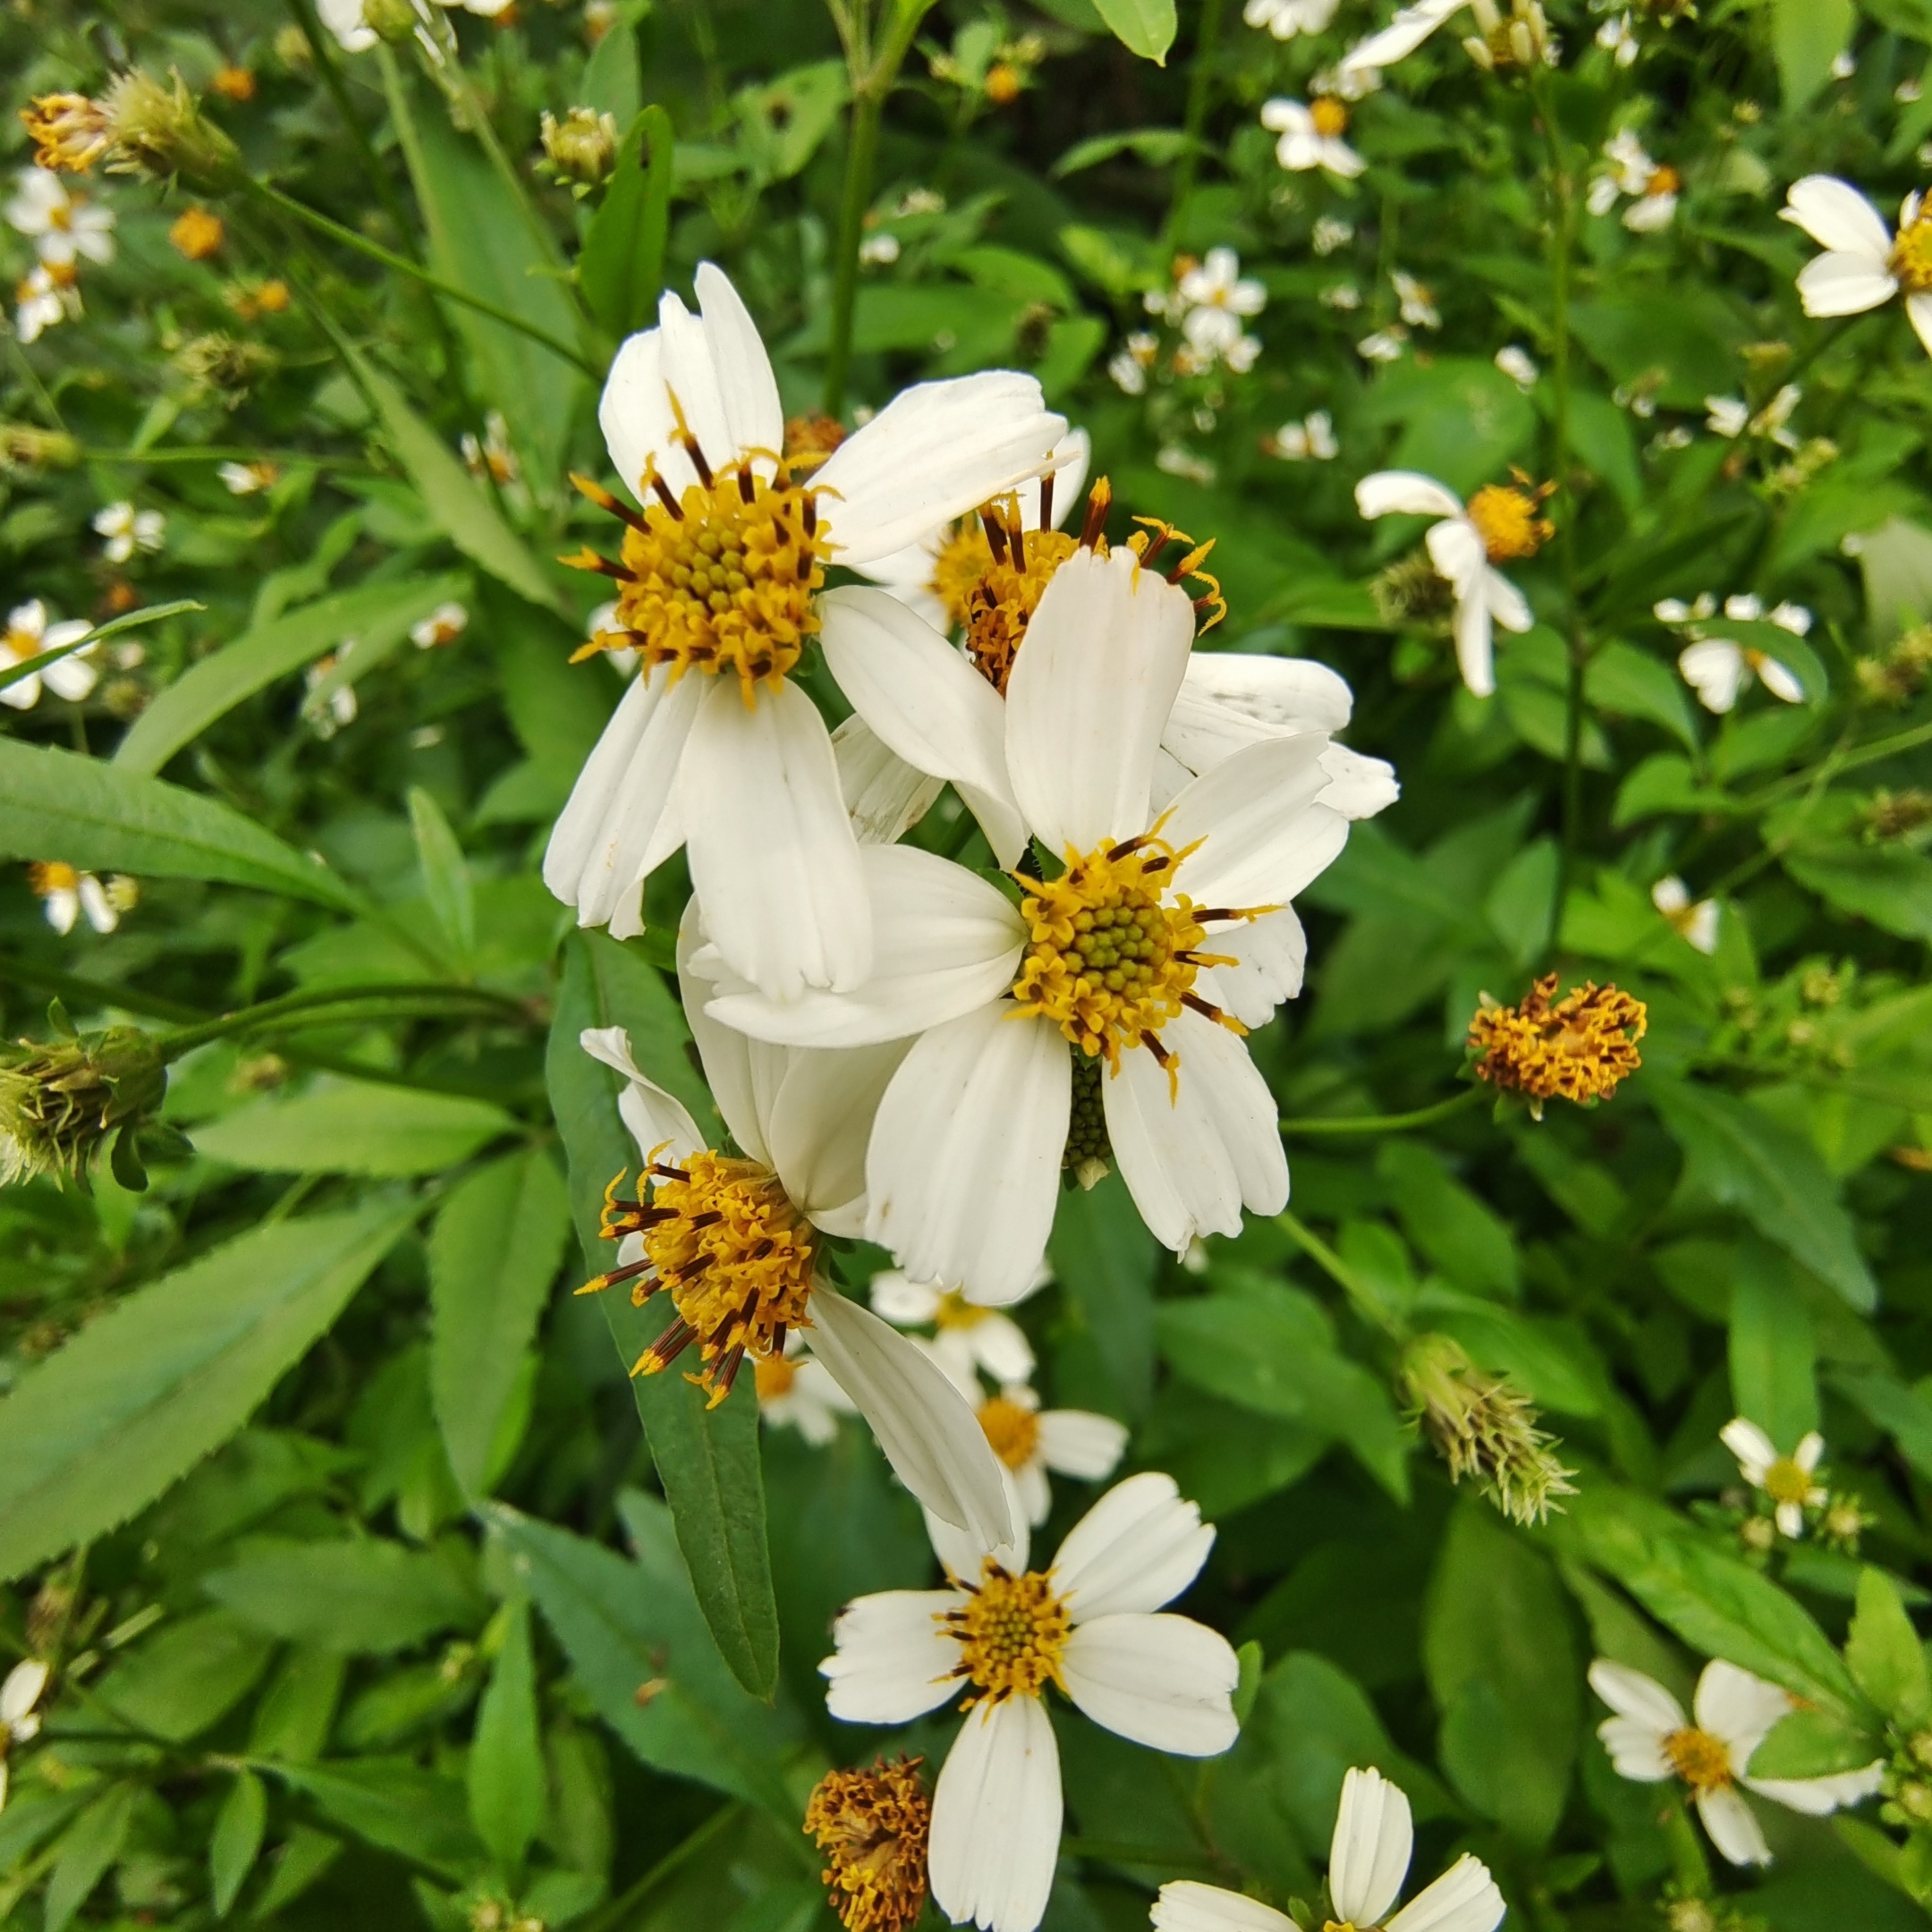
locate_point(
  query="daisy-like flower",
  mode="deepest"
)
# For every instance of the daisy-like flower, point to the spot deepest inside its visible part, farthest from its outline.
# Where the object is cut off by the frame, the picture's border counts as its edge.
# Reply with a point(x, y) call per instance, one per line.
point(796, 1390)
point(1285, 18)
point(1790, 1481)
point(1522, 39)
point(1651, 187)
point(1032, 1442)
point(327, 705)
point(1367, 1860)
point(1417, 304)
point(1091, 1623)
point(1864, 265)
point(966, 1338)
point(714, 747)
point(43, 298)
point(248, 479)
point(29, 634)
point(1499, 525)
point(732, 1241)
point(1132, 362)
point(444, 625)
point(62, 224)
point(491, 456)
point(1696, 921)
point(1310, 136)
point(128, 530)
point(66, 893)
point(1310, 440)
point(20, 1692)
point(1718, 668)
point(1618, 39)
point(1214, 299)
point(1650, 1739)
point(1102, 1019)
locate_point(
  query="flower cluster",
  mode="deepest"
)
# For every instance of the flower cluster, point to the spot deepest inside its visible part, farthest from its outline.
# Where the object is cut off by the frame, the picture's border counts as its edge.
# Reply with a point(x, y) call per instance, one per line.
point(1580, 1047)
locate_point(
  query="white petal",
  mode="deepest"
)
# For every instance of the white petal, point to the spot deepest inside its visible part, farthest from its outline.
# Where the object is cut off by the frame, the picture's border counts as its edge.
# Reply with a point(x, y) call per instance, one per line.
point(999, 1345)
point(1104, 654)
point(1191, 1159)
point(1368, 1855)
point(94, 903)
point(1271, 957)
point(1744, 1439)
point(1715, 669)
point(1809, 1452)
point(1739, 1708)
point(935, 452)
point(1464, 1899)
point(885, 796)
point(1919, 311)
point(1733, 1828)
point(635, 415)
point(1185, 1906)
point(1136, 1549)
point(754, 417)
point(71, 678)
point(744, 1075)
point(1401, 37)
point(995, 1818)
point(964, 1170)
point(820, 1123)
point(1843, 284)
point(1777, 678)
point(1165, 1681)
point(1837, 216)
point(962, 1555)
point(63, 909)
point(691, 376)
point(1036, 1492)
point(658, 1121)
point(899, 1299)
point(892, 1661)
point(1636, 1750)
point(929, 1435)
point(1405, 493)
point(1359, 786)
point(926, 701)
point(22, 1690)
point(1074, 1442)
point(1507, 603)
point(1640, 1699)
point(1263, 838)
point(1816, 1796)
point(772, 851)
point(945, 943)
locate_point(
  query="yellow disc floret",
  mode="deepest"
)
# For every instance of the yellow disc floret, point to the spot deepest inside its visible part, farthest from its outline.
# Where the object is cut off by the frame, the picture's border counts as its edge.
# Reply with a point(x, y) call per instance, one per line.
point(872, 1828)
point(1788, 1481)
point(1701, 1760)
point(997, 605)
point(1506, 516)
point(1011, 1428)
point(1329, 116)
point(1580, 1047)
point(1911, 254)
point(1011, 1631)
point(69, 131)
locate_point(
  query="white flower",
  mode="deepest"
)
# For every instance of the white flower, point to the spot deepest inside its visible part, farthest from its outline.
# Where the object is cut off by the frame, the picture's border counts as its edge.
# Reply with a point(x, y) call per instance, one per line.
point(1718, 668)
point(1332, 232)
point(327, 704)
point(1845, 64)
point(1788, 1480)
point(344, 19)
point(444, 625)
point(1128, 368)
point(1312, 438)
point(1105, 716)
point(1367, 1860)
point(1311, 136)
point(730, 1243)
point(966, 1338)
point(713, 749)
point(44, 297)
point(1285, 18)
point(246, 480)
point(1499, 523)
point(1516, 363)
point(1909, 92)
point(1092, 1623)
point(1030, 1442)
point(128, 530)
point(879, 250)
point(492, 457)
point(1652, 186)
point(1419, 309)
point(1618, 39)
point(19, 1692)
point(1675, 611)
point(1385, 345)
point(797, 1391)
point(62, 224)
point(68, 894)
point(1209, 300)
point(29, 634)
point(1731, 417)
point(1864, 265)
point(1649, 1739)
point(1697, 922)
point(1411, 27)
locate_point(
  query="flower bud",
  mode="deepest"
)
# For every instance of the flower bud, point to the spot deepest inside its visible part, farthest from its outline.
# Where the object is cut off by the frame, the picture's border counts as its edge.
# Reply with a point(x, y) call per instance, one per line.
point(160, 132)
point(393, 20)
point(26, 447)
point(582, 148)
point(59, 1101)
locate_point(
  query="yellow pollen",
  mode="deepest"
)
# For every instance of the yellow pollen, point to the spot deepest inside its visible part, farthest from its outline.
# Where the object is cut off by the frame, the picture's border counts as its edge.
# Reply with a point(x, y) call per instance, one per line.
point(723, 583)
point(1013, 1430)
point(723, 1239)
point(1330, 117)
point(1506, 514)
point(997, 604)
point(1579, 1047)
point(774, 1374)
point(1109, 960)
point(1664, 180)
point(955, 1311)
point(872, 1828)
point(1702, 1761)
point(1912, 255)
point(1346, 1925)
point(1786, 1482)
point(50, 875)
point(70, 132)
point(1011, 1632)
point(809, 440)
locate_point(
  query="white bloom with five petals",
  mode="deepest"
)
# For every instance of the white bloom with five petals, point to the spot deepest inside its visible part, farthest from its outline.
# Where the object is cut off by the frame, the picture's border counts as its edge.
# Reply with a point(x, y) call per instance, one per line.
point(29, 635)
point(20, 1692)
point(1864, 265)
point(966, 1339)
point(1696, 922)
point(43, 298)
point(128, 530)
point(62, 224)
point(1285, 18)
point(1310, 136)
point(1093, 1623)
point(1033, 1443)
point(1790, 1482)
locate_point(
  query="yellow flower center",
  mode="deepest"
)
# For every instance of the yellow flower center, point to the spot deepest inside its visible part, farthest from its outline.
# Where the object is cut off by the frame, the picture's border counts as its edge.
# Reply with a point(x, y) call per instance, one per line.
point(955, 1311)
point(775, 1376)
point(872, 1828)
point(1912, 255)
point(1330, 117)
point(1506, 514)
point(70, 132)
point(1786, 1482)
point(1702, 1761)
point(1011, 1631)
point(995, 603)
point(1013, 1430)
point(1578, 1047)
point(50, 875)
point(60, 217)
point(1109, 962)
point(1664, 180)
point(721, 579)
point(723, 1240)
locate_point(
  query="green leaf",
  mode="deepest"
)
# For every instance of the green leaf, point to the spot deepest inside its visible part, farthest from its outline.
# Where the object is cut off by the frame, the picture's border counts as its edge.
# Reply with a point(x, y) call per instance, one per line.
point(1744, 1159)
point(237, 1841)
point(293, 1867)
point(1896, 560)
point(378, 617)
point(1809, 1744)
point(1465, 1237)
point(1889, 885)
point(394, 1804)
point(1883, 1654)
point(179, 1680)
point(103, 819)
point(621, 270)
point(1499, 1646)
point(1157, 146)
point(1105, 1257)
point(1806, 35)
point(446, 875)
point(494, 1253)
point(707, 1459)
point(94, 1843)
point(1628, 683)
point(346, 1126)
point(367, 1597)
point(640, 1648)
point(507, 1790)
point(139, 1395)
point(1773, 1354)
point(1143, 26)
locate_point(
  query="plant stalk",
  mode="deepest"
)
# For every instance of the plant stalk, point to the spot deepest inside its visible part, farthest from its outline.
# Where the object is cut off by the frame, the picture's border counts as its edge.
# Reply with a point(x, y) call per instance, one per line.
point(1370, 1123)
point(861, 156)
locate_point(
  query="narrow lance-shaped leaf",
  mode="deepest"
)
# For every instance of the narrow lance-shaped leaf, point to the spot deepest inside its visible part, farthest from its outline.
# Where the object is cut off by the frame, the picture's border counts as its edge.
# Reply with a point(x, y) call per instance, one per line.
point(621, 270)
point(506, 1765)
point(446, 874)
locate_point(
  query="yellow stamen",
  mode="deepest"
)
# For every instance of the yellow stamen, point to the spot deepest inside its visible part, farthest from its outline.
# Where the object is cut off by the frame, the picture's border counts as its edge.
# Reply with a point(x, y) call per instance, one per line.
point(1330, 117)
point(1013, 1430)
point(872, 1828)
point(1580, 1047)
point(1701, 1760)
point(1011, 1631)
point(70, 132)
point(1507, 516)
point(775, 1376)
point(1911, 254)
point(1785, 1481)
point(49, 876)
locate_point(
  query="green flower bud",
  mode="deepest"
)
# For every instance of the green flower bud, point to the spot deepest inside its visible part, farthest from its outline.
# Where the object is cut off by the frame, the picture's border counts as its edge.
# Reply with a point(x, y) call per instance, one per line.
point(60, 1100)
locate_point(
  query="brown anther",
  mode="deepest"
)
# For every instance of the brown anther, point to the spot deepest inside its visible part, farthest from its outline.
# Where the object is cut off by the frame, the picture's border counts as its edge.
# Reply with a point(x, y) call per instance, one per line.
point(604, 500)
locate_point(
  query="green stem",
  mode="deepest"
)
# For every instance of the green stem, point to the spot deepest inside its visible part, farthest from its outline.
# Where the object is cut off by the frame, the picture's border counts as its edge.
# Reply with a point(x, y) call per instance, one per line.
point(1868, 754)
point(1370, 1124)
point(223, 453)
point(1199, 100)
point(861, 156)
point(1142, 1857)
point(153, 613)
point(1345, 1278)
point(300, 1011)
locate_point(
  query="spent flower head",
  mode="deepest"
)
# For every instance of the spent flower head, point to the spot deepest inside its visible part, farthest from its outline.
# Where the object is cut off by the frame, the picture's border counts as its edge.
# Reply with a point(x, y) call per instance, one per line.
point(1580, 1047)
point(60, 1099)
point(1483, 1427)
point(872, 1828)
